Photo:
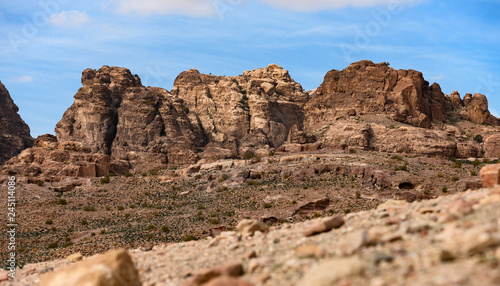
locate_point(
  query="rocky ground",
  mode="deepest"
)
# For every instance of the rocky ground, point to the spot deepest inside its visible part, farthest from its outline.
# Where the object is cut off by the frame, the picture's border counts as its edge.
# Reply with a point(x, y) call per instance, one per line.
point(204, 200)
point(451, 240)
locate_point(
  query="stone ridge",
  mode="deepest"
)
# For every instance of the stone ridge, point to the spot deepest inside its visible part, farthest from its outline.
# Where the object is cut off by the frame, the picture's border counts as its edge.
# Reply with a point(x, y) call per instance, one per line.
point(206, 118)
point(368, 88)
point(14, 132)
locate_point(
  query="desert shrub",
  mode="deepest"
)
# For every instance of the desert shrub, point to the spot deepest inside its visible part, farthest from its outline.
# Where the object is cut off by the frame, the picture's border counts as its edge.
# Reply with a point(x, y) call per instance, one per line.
point(397, 157)
point(120, 208)
point(346, 211)
point(89, 208)
point(426, 192)
point(150, 227)
point(153, 172)
point(440, 175)
point(358, 195)
point(214, 221)
point(331, 211)
point(457, 164)
point(229, 214)
point(473, 173)
point(455, 178)
point(294, 202)
point(165, 228)
point(71, 229)
point(258, 159)
point(223, 178)
point(53, 228)
point(105, 180)
point(444, 189)
point(103, 231)
point(92, 234)
point(128, 174)
point(476, 162)
point(197, 177)
point(126, 216)
point(352, 151)
point(486, 161)
point(49, 222)
point(271, 154)
point(189, 238)
point(478, 138)
point(83, 222)
point(40, 183)
point(54, 244)
point(267, 205)
point(401, 168)
point(108, 208)
point(62, 202)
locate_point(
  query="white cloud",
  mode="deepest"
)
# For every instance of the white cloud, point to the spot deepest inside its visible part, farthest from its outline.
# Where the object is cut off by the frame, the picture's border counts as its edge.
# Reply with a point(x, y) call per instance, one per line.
point(316, 5)
point(197, 8)
point(24, 79)
point(434, 78)
point(69, 19)
point(495, 112)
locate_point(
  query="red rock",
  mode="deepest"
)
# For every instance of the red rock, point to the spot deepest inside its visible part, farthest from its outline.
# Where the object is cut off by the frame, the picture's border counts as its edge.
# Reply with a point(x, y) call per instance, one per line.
point(229, 270)
point(227, 281)
point(490, 175)
point(324, 226)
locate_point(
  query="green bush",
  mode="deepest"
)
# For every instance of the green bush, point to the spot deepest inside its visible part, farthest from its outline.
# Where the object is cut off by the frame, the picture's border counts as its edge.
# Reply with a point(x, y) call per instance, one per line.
point(478, 138)
point(397, 157)
point(150, 227)
point(165, 228)
point(401, 168)
point(153, 172)
point(258, 159)
point(105, 180)
point(267, 205)
point(457, 164)
point(346, 211)
point(40, 183)
point(49, 222)
point(128, 174)
point(120, 208)
point(53, 244)
point(71, 229)
point(84, 222)
point(352, 151)
point(62, 202)
point(214, 221)
point(68, 243)
point(444, 189)
point(189, 238)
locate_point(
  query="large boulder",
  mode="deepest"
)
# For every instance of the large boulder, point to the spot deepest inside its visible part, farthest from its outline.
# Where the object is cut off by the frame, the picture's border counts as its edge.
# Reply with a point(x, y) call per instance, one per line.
point(492, 146)
point(14, 132)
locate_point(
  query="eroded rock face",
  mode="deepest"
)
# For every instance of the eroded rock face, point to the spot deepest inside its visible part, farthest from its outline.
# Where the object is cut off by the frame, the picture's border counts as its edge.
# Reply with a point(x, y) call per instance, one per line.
point(14, 133)
point(370, 88)
point(114, 114)
point(251, 111)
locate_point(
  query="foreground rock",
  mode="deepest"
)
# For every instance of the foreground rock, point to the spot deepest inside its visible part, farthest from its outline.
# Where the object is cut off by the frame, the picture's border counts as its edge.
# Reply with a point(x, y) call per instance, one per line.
point(114, 268)
point(14, 133)
point(445, 241)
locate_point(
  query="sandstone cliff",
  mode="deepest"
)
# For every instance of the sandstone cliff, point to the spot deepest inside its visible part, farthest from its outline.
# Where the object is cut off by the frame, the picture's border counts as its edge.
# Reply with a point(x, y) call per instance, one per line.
point(368, 88)
point(14, 133)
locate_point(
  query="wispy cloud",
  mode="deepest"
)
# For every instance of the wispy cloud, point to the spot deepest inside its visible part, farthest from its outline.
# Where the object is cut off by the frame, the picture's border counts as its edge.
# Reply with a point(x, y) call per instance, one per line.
point(197, 8)
point(69, 19)
point(316, 5)
point(438, 77)
point(24, 79)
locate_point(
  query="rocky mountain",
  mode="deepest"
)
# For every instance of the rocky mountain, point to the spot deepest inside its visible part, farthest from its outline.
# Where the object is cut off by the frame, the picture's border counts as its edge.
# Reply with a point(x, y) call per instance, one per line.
point(206, 118)
point(14, 132)
point(368, 88)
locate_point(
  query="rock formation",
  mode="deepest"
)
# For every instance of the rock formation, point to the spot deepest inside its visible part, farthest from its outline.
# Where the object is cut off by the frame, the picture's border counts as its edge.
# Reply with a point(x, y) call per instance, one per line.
point(206, 118)
point(243, 113)
point(14, 133)
point(368, 88)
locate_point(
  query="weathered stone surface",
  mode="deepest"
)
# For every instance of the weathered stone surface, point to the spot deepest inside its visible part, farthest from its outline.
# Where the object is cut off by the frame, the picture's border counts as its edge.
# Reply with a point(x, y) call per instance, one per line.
point(329, 272)
point(206, 276)
point(253, 110)
point(492, 146)
point(324, 226)
point(249, 227)
point(375, 88)
point(14, 133)
point(114, 268)
point(490, 175)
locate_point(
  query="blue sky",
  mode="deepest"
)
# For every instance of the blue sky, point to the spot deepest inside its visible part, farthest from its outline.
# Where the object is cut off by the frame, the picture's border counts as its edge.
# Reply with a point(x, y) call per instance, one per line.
point(46, 44)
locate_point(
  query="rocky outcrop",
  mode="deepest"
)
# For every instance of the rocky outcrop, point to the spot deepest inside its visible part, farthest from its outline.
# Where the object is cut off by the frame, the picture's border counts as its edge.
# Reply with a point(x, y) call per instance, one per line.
point(473, 108)
point(251, 111)
point(50, 158)
point(114, 114)
point(14, 133)
point(492, 146)
point(368, 88)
